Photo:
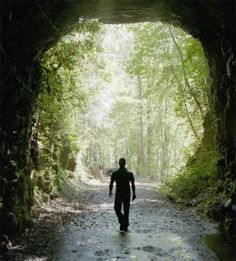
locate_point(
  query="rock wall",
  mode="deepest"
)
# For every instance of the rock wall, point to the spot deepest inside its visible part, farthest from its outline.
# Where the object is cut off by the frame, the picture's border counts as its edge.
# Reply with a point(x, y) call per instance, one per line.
point(29, 28)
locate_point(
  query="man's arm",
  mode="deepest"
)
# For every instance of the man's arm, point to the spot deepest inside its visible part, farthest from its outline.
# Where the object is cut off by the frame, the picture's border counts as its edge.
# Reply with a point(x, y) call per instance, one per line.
point(111, 185)
point(133, 187)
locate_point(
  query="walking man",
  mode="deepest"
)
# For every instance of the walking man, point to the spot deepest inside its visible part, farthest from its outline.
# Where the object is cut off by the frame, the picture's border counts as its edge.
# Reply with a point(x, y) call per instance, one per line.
point(123, 178)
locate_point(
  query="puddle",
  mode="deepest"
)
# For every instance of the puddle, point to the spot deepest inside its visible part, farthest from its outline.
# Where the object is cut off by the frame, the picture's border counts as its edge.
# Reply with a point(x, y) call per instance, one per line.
point(112, 245)
point(222, 244)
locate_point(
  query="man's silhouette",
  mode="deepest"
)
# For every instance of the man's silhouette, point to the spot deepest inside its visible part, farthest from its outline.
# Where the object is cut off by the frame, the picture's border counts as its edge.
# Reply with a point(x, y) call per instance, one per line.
point(123, 178)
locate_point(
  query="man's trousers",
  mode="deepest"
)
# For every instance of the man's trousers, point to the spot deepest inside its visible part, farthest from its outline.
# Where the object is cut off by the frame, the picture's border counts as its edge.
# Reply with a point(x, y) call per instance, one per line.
point(122, 217)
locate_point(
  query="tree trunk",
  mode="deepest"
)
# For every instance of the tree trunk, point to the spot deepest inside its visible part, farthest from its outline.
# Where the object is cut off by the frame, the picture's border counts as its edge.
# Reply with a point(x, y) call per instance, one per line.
point(185, 105)
point(141, 155)
point(149, 138)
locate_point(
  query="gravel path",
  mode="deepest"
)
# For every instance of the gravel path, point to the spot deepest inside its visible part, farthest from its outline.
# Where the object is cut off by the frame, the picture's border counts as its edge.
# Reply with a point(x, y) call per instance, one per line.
point(87, 229)
point(158, 230)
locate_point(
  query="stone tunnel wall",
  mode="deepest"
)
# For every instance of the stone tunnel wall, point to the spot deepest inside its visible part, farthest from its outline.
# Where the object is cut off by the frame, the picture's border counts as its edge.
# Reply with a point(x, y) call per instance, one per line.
point(29, 28)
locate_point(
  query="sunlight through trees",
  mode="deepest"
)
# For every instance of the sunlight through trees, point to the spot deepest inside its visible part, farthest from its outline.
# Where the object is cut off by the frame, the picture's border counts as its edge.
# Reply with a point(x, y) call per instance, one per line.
point(139, 91)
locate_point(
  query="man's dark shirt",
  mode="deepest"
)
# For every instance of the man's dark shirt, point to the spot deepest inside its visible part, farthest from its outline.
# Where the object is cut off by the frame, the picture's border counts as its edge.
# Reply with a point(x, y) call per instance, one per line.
point(123, 178)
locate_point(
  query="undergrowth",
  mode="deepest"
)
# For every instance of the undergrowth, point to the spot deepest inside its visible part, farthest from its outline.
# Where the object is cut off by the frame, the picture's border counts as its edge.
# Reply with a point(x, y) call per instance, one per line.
point(198, 185)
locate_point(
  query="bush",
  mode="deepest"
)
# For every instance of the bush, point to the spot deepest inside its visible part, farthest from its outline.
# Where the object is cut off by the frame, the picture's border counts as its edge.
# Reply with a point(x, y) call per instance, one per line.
point(194, 181)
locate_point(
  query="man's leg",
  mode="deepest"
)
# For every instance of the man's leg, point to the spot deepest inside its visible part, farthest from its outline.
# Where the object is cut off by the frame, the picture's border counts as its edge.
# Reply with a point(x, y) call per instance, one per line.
point(126, 213)
point(117, 207)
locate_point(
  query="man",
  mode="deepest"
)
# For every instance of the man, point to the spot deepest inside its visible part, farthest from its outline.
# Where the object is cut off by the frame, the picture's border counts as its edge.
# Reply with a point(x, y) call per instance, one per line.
point(123, 178)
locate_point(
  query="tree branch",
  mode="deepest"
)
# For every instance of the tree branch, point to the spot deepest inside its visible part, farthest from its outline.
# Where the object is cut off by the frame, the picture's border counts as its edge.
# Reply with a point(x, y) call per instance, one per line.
point(184, 73)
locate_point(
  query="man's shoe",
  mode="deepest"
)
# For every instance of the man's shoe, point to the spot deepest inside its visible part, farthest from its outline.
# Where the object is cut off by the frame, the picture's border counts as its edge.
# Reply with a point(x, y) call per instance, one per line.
point(126, 228)
point(122, 227)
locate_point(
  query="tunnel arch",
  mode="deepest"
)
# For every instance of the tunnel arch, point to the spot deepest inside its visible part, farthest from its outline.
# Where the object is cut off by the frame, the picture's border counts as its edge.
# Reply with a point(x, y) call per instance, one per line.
point(29, 28)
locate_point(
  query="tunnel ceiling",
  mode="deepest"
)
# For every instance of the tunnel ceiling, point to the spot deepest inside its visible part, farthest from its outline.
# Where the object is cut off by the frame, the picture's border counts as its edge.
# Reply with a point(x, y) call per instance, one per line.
point(35, 25)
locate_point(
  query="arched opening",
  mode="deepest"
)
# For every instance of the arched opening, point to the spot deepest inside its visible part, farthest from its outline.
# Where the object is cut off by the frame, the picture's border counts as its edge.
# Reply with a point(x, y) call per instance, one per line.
point(140, 91)
point(26, 37)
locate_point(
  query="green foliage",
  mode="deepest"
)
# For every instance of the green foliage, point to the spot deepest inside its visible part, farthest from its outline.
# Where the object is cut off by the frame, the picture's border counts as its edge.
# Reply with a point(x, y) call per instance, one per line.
point(174, 81)
point(195, 180)
point(159, 100)
point(60, 100)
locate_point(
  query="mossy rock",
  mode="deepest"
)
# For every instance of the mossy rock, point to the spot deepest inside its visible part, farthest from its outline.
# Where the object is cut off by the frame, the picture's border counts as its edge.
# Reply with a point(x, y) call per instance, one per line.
point(45, 198)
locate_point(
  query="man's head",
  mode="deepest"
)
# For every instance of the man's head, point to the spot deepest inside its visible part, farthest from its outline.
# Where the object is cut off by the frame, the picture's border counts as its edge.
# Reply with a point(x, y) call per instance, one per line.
point(122, 162)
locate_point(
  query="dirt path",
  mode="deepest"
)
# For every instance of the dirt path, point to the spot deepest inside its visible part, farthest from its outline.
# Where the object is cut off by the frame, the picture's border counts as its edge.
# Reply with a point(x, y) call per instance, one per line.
point(88, 230)
point(158, 230)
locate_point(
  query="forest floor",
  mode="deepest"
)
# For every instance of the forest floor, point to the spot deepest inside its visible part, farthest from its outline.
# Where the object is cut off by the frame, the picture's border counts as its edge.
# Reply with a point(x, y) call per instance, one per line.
point(86, 228)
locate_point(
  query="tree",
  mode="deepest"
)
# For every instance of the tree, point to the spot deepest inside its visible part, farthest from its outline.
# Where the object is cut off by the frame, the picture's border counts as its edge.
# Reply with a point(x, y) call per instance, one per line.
point(59, 103)
point(175, 73)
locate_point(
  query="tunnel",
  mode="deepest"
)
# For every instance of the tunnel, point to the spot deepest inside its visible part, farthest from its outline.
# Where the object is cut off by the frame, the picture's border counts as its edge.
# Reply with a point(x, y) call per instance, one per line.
point(30, 28)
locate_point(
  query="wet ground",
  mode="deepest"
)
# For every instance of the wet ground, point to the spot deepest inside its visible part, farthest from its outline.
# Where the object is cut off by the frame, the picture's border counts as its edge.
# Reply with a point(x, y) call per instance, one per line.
point(159, 230)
